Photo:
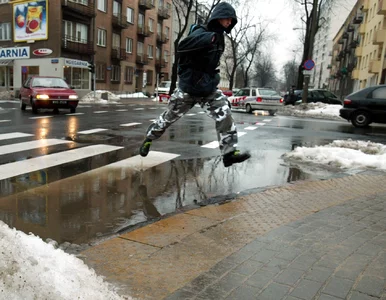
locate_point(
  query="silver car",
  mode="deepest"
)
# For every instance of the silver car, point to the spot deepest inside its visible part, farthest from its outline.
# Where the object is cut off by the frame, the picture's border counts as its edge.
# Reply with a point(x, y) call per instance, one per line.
point(251, 98)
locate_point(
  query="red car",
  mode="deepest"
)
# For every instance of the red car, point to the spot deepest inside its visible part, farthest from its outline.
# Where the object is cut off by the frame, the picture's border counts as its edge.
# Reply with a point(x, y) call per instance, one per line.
point(47, 92)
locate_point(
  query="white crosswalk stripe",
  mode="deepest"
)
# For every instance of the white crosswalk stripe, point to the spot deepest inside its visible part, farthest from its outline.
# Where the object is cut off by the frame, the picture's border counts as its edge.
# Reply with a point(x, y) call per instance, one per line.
point(30, 145)
point(92, 131)
point(13, 135)
point(47, 161)
point(215, 144)
point(130, 124)
point(3, 121)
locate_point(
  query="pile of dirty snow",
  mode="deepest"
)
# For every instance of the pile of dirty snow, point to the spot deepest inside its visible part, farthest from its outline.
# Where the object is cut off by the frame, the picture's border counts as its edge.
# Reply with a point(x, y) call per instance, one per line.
point(97, 97)
point(315, 110)
point(6, 95)
point(33, 269)
point(133, 95)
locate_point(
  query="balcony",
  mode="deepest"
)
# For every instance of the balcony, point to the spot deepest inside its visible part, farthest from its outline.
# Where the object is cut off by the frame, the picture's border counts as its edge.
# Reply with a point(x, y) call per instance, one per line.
point(355, 74)
point(341, 41)
point(365, 6)
point(144, 31)
point(120, 21)
point(329, 67)
point(354, 44)
point(379, 37)
point(163, 13)
point(72, 44)
point(161, 38)
point(345, 36)
point(358, 51)
point(381, 7)
point(374, 66)
point(160, 63)
point(358, 19)
point(118, 54)
point(350, 28)
point(142, 59)
point(77, 10)
point(145, 4)
point(362, 29)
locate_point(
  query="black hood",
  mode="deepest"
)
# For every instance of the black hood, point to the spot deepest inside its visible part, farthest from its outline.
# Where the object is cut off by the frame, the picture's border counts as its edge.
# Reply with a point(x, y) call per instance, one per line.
point(222, 10)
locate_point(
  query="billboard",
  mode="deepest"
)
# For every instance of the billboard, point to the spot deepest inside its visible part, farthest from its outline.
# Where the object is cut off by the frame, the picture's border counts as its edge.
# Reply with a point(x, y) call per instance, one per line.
point(30, 21)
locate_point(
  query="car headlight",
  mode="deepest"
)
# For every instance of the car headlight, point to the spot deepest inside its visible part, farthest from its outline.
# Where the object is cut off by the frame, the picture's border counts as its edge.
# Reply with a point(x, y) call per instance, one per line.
point(73, 97)
point(42, 97)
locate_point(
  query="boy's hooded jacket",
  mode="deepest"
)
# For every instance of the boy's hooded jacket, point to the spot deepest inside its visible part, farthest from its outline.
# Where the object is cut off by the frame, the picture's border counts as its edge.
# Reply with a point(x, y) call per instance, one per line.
point(200, 53)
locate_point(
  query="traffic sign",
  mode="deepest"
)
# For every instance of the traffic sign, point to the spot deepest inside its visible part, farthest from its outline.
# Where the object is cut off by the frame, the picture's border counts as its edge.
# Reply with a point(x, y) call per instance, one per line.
point(309, 64)
point(307, 72)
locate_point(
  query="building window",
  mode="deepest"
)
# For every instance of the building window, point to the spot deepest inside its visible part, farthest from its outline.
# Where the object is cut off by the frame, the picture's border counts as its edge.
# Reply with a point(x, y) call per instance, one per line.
point(129, 74)
point(101, 39)
point(151, 25)
point(4, 1)
point(130, 15)
point(102, 5)
point(115, 73)
point(100, 71)
point(5, 31)
point(158, 53)
point(150, 49)
point(75, 32)
point(167, 29)
point(117, 8)
point(79, 78)
point(116, 42)
point(140, 48)
point(149, 77)
point(83, 2)
point(166, 55)
point(141, 20)
point(129, 45)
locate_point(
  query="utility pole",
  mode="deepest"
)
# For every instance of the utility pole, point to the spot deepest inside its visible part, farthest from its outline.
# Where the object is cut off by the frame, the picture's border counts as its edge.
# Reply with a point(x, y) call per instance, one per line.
point(313, 28)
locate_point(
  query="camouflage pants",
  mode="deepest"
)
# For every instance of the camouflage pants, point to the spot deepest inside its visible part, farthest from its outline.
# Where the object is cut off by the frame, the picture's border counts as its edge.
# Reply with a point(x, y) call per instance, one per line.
point(180, 103)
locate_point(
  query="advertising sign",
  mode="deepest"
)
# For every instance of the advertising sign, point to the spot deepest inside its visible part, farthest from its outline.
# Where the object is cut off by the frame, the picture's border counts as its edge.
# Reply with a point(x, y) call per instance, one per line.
point(30, 20)
point(14, 53)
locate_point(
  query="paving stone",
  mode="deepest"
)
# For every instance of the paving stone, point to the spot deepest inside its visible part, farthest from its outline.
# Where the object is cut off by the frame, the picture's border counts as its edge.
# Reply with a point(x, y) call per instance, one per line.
point(264, 255)
point(254, 246)
point(366, 234)
point(319, 274)
point(371, 285)
point(222, 267)
point(201, 282)
point(306, 289)
point(260, 279)
point(212, 293)
point(181, 294)
point(245, 292)
point(229, 282)
point(289, 253)
point(248, 267)
point(338, 287)
point(369, 249)
point(289, 276)
point(353, 242)
point(360, 296)
point(327, 297)
point(274, 291)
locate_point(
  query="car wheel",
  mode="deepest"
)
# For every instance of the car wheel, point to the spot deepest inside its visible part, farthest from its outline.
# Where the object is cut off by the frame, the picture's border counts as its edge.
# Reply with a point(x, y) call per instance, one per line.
point(34, 108)
point(360, 119)
point(248, 108)
point(72, 110)
point(22, 105)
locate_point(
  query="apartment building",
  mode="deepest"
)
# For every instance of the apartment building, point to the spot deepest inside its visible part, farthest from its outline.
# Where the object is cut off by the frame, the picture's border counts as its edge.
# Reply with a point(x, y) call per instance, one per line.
point(332, 15)
point(127, 40)
point(369, 65)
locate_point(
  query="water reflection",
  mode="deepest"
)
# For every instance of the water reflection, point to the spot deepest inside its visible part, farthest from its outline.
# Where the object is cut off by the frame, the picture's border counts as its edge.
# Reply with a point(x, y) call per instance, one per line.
point(43, 128)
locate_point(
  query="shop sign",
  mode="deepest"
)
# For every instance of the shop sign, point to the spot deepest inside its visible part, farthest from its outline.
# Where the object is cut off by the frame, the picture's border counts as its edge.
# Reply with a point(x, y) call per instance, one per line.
point(75, 63)
point(30, 19)
point(14, 53)
point(42, 52)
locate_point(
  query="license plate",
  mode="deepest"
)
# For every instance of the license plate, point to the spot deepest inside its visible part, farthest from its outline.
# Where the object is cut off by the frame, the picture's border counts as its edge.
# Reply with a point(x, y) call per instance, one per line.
point(59, 102)
point(271, 101)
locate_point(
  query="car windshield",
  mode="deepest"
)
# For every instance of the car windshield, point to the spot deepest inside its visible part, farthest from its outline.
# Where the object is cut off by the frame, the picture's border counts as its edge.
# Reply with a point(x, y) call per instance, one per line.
point(328, 94)
point(49, 83)
point(267, 92)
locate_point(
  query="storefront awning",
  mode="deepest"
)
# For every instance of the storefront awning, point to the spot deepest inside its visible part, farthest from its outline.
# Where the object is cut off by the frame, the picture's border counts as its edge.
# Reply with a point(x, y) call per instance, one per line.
point(6, 62)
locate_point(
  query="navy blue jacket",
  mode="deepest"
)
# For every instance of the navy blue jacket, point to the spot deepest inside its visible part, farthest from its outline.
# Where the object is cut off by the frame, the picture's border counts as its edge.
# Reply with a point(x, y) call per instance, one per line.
point(200, 53)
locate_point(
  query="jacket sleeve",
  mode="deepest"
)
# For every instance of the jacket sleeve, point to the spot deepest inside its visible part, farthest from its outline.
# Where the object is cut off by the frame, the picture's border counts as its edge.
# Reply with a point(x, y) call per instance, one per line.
point(196, 41)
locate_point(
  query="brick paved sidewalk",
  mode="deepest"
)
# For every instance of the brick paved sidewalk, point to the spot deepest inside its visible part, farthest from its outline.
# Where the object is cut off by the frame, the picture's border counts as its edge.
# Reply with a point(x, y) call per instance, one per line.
point(338, 253)
point(309, 240)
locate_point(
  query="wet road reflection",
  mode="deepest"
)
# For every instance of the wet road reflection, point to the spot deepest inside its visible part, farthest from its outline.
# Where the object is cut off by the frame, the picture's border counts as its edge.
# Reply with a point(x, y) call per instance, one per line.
point(107, 200)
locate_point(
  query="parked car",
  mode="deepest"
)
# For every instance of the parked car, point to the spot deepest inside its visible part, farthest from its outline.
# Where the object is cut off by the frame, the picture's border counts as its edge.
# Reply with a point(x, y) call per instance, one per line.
point(365, 106)
point(252, 98)
point(47, 92)
point(318, 95)
point(163, 87)
point(228, 93)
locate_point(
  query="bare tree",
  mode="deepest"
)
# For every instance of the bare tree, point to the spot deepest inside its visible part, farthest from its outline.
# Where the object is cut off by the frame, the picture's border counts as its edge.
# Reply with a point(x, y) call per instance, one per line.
point(241, 40)
point(265, 71)
point(290, 71)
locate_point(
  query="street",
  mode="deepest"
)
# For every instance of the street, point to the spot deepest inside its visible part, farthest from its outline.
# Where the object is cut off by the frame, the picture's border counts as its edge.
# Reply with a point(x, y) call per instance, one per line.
point(77, 178)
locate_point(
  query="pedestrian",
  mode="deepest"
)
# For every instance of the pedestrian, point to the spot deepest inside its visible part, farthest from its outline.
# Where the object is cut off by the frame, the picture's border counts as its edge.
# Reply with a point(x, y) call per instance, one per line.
point(199, 59)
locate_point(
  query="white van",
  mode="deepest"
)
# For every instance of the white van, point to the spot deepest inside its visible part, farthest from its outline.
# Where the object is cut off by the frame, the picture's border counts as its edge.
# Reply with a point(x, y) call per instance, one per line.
point(163, 87)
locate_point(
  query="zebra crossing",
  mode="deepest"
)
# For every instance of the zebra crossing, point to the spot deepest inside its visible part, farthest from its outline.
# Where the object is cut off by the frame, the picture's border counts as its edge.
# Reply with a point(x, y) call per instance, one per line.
point(58, 152)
